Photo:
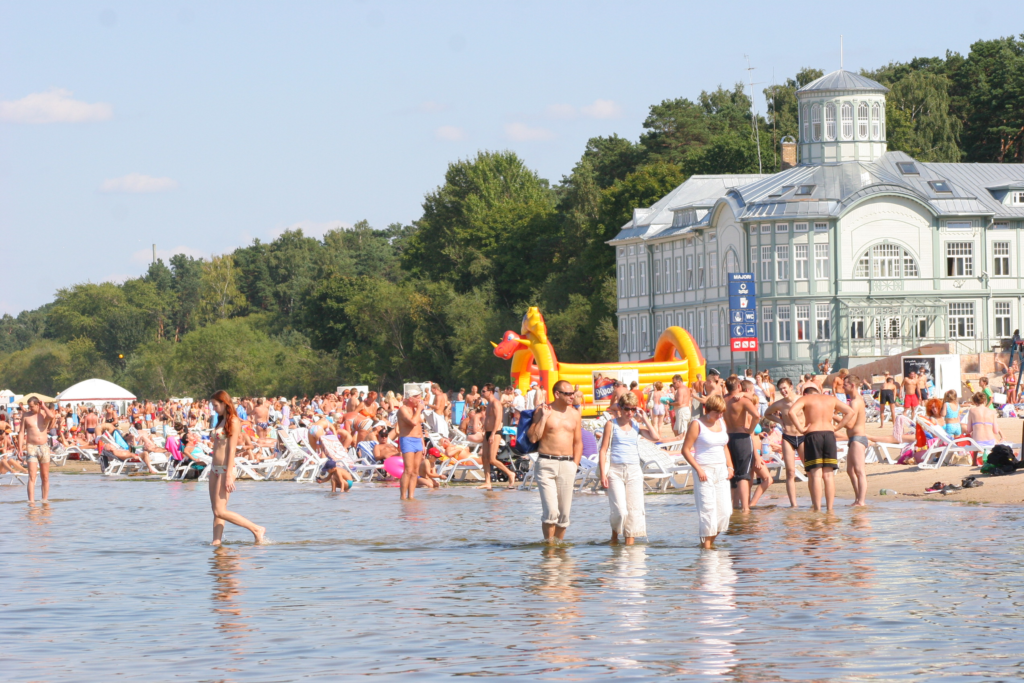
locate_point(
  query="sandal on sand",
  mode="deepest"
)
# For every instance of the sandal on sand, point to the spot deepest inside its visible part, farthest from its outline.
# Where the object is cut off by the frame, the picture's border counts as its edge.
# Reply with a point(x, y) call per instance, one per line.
point(971, 483)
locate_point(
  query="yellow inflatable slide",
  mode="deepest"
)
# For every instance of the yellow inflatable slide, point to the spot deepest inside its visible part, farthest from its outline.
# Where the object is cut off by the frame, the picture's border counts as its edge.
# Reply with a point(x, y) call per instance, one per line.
point(533, 360)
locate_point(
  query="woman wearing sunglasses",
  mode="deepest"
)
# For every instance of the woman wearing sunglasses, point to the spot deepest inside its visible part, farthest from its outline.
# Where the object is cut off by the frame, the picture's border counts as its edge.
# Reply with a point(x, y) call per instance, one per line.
point(706, 449)
point(619, 463)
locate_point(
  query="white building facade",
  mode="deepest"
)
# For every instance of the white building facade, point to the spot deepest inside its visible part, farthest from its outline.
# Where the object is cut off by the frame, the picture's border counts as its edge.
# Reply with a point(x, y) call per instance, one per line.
point(858, 253)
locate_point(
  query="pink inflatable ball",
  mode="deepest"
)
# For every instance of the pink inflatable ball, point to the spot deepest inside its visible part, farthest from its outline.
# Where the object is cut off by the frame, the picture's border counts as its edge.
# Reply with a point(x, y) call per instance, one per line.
point(394, 466)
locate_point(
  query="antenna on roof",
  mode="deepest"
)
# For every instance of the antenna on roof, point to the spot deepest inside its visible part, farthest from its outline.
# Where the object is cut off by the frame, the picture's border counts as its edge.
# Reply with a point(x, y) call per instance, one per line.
point(840, 51)
point(753, 119)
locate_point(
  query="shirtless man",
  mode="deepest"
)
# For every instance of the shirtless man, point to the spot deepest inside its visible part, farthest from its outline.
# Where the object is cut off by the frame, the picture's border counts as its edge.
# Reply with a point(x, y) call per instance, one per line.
point(741, 418)
point(557, 431)
point(32, 443)
point(473, 396)
point(791, 436)
point(261, 417)
point(439, 403)
point(887, 395)
point(384, 449)
point(813, 412)
point(911, 394)
point(856, 432)
point(91, 421)
point(410, 440)
point(492, 439)
point(681, 400)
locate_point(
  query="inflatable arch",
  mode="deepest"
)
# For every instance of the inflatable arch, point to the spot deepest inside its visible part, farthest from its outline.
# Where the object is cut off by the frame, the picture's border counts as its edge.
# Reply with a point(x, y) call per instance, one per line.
point(534, 360)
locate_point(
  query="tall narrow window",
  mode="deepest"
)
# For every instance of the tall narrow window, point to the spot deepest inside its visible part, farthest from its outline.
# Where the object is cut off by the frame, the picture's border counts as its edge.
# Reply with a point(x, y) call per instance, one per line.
point(807, 125)
point(960, 259)
point(689, 271)
point(782, 262)
point(657, 276)
point(847, 119)
point(830, 121)
point(922, 328)
point(1001, 258)
point(816, 122)
point(766, 263)
point(856, 328)
point(623, 336)
point(784, 331)
point(679, 274)
point(700, 271)
point(658, 325)
point(713, 269)
point(767, 324)
point(823, 323)
point(821, 267)
point(731, 262)
point(799, 261)
point(862, 121)
point(701, 320)
point(632, 335)
point(753, 259)
point(622, 281)
point(714, 327)
point(642, 276)
point(643, 333)
point(689, 322)
point(960, 315)
point(803, 323)
point(876, 122)
point(1002, 319)
point(632, 279)
point(667, 276)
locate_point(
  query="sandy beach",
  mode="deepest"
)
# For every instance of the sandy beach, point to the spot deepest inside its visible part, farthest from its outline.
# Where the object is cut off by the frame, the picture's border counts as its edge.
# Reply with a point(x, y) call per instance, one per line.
point(908, 481)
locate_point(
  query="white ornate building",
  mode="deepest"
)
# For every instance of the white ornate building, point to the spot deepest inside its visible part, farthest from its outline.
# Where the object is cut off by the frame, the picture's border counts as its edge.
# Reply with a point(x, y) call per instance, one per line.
point(859, 253)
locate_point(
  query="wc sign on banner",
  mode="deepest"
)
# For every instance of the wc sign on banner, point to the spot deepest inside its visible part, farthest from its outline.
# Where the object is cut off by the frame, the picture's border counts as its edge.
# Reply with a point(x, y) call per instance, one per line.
point(742, 312)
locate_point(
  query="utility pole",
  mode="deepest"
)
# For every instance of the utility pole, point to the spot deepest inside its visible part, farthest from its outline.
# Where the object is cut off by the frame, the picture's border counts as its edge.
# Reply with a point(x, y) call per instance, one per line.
point(753, 118)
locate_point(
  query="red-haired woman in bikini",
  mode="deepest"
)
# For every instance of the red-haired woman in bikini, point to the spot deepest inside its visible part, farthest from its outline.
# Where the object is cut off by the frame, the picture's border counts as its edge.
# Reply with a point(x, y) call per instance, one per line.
point(222, 469)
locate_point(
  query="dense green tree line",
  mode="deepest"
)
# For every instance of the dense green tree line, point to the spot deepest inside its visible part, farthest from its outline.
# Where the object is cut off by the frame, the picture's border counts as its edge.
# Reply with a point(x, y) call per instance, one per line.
point(378, 306)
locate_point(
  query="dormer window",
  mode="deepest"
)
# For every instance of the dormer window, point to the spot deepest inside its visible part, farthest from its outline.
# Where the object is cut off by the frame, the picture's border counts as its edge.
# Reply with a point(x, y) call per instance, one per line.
point(907, 167)
point(805, 190)
point(940, 186)
point(1017, 198)
point(830, 121)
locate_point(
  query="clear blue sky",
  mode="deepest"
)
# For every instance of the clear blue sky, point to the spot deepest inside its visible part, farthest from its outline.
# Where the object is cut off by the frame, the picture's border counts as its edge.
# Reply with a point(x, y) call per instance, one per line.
point(200, 126)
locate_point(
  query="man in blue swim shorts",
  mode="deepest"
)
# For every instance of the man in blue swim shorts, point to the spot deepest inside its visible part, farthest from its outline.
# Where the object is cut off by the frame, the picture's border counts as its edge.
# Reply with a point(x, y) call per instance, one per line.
point(410, 440)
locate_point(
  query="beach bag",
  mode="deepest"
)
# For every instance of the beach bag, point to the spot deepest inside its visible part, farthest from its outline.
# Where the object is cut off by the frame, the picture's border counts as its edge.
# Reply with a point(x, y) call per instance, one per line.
point(523, 443)
point(1001, 460)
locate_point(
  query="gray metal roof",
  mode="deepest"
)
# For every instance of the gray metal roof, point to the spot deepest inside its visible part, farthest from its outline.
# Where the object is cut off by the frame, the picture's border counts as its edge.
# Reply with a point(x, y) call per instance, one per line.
point(843, 80)
point(974, 190)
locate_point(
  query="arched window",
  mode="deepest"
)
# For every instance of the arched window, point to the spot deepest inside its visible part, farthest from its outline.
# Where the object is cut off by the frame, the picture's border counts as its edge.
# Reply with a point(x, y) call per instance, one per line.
point(847, 114)
point(862, 121)
point(875, 121)
point(885, 262)
point(807, 125)
point(731, 264)
point(830, 121)
point(815, 122)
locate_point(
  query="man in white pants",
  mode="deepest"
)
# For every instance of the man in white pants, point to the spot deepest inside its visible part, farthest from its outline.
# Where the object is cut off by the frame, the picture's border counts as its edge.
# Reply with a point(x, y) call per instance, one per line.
point(681, 401)
point(557, 431)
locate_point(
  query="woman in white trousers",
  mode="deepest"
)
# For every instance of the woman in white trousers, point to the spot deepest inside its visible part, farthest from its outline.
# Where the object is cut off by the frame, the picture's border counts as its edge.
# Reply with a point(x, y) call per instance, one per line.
point(621, 475)
point(706, 449)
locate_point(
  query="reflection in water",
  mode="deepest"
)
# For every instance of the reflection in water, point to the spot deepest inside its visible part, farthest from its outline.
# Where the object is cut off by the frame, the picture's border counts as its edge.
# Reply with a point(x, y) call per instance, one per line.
point(558, 608)
point(39, 516)
point(224, 567)
point(718, 620)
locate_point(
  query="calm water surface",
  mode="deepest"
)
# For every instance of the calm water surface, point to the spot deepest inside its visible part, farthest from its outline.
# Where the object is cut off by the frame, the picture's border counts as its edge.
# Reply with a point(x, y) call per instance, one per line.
point(114, 581)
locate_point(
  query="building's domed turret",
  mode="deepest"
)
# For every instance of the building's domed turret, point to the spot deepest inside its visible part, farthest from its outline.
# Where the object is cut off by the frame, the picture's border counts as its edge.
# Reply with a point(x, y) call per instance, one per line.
point(842, 118)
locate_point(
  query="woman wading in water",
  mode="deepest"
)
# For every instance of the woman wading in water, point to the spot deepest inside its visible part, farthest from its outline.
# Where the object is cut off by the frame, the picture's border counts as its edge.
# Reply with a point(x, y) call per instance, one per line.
point(222, 469)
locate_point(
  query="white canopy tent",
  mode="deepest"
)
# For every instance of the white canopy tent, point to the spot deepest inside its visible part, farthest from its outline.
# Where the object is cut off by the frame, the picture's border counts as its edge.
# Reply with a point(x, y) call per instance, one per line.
point(6, 398)
point(97, 392)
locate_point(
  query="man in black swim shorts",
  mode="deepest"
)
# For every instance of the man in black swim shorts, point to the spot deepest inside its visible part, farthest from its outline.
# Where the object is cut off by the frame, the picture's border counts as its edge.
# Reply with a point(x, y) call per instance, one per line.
point(820, 454)
point(887, 396)
point(741, 417)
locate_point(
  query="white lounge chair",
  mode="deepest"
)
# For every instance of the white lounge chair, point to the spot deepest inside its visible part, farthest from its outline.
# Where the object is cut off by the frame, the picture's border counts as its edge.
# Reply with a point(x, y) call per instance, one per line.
point(303, 460)
point(661, 467)
point(936, 456)
point(347, 459)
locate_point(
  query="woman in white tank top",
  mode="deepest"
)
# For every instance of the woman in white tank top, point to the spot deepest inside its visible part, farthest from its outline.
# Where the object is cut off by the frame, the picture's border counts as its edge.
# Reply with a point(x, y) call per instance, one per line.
point(706, 449)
